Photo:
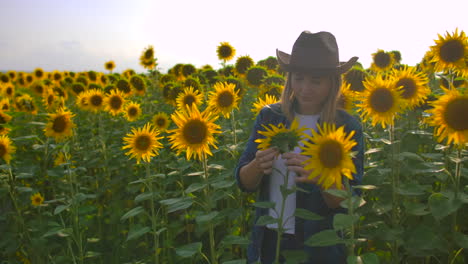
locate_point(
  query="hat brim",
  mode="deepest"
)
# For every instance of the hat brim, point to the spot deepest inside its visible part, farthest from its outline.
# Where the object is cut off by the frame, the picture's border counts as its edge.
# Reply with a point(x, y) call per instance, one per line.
point(284, 59)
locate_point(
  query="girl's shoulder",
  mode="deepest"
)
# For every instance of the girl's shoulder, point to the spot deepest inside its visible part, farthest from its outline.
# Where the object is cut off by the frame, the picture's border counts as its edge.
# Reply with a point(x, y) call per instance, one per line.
point(352, 122)
point(271, 113)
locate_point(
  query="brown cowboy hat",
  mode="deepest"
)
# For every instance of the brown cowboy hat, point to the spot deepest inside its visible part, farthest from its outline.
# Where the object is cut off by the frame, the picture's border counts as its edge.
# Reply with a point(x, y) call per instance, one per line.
point(315, 53)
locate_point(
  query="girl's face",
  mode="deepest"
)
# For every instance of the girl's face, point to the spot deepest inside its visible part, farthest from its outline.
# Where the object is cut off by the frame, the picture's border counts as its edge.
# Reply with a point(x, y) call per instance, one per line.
point(309, 91)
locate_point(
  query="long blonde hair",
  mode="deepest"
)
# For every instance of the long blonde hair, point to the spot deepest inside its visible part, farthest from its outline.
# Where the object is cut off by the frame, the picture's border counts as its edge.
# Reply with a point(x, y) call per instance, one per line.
point(330, 104)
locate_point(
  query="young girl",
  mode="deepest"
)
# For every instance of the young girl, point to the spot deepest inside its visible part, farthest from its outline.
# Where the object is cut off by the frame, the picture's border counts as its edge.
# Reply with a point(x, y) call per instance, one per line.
point(311, 95)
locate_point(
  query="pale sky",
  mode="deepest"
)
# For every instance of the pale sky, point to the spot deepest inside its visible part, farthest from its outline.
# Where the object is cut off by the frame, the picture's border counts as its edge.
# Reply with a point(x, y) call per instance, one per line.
point(81, 35)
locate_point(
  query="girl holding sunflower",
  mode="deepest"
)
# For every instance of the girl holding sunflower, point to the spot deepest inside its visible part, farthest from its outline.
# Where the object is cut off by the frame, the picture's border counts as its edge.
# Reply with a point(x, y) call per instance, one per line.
point(310, 97)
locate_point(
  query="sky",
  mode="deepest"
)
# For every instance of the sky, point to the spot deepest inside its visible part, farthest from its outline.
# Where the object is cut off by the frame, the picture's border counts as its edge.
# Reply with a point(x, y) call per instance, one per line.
point(81, 35)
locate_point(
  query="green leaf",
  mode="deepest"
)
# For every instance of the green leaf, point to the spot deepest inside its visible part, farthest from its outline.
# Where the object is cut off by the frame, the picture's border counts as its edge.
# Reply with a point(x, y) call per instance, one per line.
point(294, 256)
point(60, 209)
point(222, 184)
point(237, 261)
point(411, 189)
point(264, 204)
point(207, 217)
point(442, 206)
point(265, 220)
point(144, 196)
point(134, 234)
point(365, 187)
point(92, 254)
point(24, 189)
point(342, 221)
point(356, 202)
point(461, 240)
point(195, 187)
point(306, 214)
point(403, 156)
point(133, 212)
point(235, 240)
point(370, 258)
point(52, 232)
point(423, 237)
point(324, 238)
point(65, 232)
point(187, 251)
point(372, 150)
point(176, 204)
point(414, 208)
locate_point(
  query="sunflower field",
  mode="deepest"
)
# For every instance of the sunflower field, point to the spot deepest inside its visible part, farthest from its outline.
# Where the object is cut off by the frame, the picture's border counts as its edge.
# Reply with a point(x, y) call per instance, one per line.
point(107, 167)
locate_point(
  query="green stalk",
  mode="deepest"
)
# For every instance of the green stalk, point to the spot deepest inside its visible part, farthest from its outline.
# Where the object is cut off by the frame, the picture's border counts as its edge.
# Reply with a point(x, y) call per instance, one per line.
point(214, 260)
point(233, 123)
point(395, 184)
point(458, 167)
point(351, 247)
point(153, 213)
point(280, 219)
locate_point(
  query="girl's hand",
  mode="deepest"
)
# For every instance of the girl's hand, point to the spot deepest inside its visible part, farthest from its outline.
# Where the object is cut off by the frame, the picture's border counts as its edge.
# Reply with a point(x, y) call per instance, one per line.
point(295, 162)
point(265, 158)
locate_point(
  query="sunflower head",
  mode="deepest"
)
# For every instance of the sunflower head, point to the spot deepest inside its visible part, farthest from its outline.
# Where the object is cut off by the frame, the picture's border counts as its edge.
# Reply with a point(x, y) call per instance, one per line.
point(382, 61)
point(255, 75)
point(450, 51)
point(77, 88)
point(166, 78)
point(380, 102)
point(271, 63)
point(448, 118)
point(224, 99)
point(161, 121)
point(192, 82)
point(143, 143)
point(114, 102)
point(138, 84)
point(132, 111)
point(330, 152)
point(194, 133)
point(124, 86)
point(355, 78)
point(187, 98)
point(280, 137)
point(60, 125)
point(187, 70)
point(412, 84)
point(95, 100)
point(243, 63)
point(37, 199)
point(225, 51)
point(260, 103)
point(12, 75)
point(6, 148)
point(110, 65)
point(147, 59)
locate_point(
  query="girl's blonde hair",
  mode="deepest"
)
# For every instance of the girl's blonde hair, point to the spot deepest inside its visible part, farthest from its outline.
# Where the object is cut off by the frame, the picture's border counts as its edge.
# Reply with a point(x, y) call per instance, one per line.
point(330, 104)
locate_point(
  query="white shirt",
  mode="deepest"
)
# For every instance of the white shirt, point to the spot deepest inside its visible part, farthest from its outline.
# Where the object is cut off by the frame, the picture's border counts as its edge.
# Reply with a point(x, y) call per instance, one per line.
point(277, 179)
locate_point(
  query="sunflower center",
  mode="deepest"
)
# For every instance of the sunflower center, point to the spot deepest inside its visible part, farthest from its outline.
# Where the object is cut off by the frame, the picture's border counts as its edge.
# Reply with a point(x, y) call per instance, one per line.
point(2, 120)
point(50, 99)
point(189, 100)
point(116, 103)
point(225, 99)
point(408, 87)
point(381, 100)
point(96, 100)
point(452, 51)
point(143, 142)
point(9, 91)
point(454, 114)
point(132, 111)
point(161, 122)
point(195, 132)
point(60, 124)
point(330, 154)
point(3, 150)
point(225, 51)
point(382, 59)
point(355, 79)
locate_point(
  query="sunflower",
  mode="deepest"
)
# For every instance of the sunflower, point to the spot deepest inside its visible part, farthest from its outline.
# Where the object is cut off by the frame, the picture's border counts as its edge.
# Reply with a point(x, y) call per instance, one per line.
point(330, 155)
point(60, 125)
point(143, 143)
point(49, 99)
point(39, 74)
point(161, 121)
point(138, 84)
point(38, 88)
point(255, 75)
point(6, 148)
point(12, 75)
point(37, 199)
point(413, 85)
point(147, 59)
point(280, 137)
point(187, 70)
point(29, 79)
point(4, 104)
point(346, 99)
point(274, 90)
point(25, 103)
point(257, 106)
point(114, 102)
point(193, 82)
point(95, 100)
point(103, 80)
point(77, 88)
point(271, 63)
point(382, 61)
point(187, 98)
point(110, 66)
point(195, 132)
point(355, 78)
point(92, 76)
point(4, 118)
point(57, 76)
point(450, 51)
point(124, 86)
point(224, 99)
point(132, 111)
point(61, 158)
point(4, 78)
point(380, 101)
point(82, 101)
point(225, 51)
point(243, 63)
point(449, 117)
point(4, 130)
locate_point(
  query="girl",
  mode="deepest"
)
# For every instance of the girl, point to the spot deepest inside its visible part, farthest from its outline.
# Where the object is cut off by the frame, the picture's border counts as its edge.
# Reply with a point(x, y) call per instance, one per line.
point(311, 95)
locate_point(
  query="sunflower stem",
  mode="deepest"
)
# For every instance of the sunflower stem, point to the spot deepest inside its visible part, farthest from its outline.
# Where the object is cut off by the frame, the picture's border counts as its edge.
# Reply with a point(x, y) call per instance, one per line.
point(208, 200)
point(351, 246)
point(395, 185)
point(233, 123)
point(458, 167)
point(280, 219)
point(153, 213)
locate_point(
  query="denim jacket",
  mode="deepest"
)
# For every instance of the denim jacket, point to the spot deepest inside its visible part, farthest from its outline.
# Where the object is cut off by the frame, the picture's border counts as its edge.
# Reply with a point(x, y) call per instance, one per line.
point(311, 200)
